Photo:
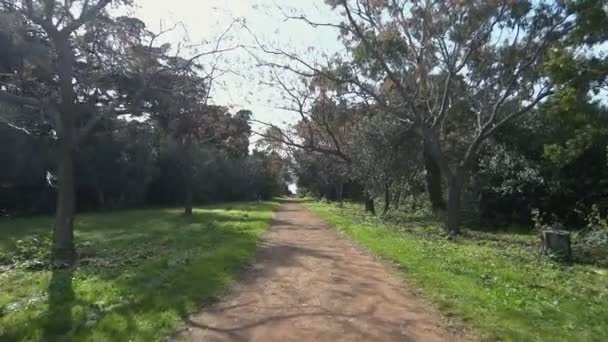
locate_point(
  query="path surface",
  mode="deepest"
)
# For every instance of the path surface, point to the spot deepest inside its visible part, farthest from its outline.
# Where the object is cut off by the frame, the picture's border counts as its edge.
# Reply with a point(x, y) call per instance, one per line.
point(309, 283)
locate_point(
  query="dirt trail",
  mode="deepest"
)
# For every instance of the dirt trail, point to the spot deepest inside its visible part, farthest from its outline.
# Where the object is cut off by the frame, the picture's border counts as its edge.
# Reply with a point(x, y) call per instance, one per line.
point(309, 283)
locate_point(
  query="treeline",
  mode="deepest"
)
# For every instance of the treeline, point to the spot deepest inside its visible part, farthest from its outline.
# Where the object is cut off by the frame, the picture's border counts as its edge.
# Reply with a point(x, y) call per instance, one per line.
point(133, 164)
point(485, 111)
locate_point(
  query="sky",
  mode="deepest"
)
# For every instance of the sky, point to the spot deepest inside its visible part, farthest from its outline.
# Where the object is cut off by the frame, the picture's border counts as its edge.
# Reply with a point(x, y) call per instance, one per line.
point(207, 19)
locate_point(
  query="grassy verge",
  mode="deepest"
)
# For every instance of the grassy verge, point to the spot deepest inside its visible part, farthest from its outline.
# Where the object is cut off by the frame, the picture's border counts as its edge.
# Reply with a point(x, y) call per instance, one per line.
point(493, 282)
point(140, 272)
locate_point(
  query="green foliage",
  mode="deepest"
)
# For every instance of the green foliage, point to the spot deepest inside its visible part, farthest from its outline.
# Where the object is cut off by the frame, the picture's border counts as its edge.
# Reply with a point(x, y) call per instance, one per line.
point(218, 177)
point(31, 252)
point(132, 164)
point(539, 222)
point(595, 233)
point(565, 153)
point(573, 124)
point(139, 272)
point(592, 21)
point(492, 282)
point(451, 75)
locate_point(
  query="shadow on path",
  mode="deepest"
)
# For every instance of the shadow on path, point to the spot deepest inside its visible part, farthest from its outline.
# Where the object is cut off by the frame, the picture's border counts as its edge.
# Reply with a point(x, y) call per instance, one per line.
point(308, 283)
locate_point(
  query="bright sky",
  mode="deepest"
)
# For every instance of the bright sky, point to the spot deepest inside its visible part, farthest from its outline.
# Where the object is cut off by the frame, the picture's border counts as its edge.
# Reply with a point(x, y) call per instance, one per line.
point(206, 19)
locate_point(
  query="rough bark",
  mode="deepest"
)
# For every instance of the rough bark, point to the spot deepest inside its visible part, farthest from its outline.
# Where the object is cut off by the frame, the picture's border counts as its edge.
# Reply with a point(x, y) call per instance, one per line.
point(63, 235)
point(454, 201)
point(369, 204)
point(433, 182)
point(454, 179)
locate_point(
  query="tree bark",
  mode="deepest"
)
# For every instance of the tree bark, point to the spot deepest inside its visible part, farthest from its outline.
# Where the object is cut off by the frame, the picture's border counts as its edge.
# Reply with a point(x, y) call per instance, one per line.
point(433, 181)
point(188, 201)
point(454, 196)
point(397, 198)
point(340, 194)
point(369, 204)
point(188, 186)
point(64, 253)
point(63, 236)
point(188, 178)
point(387, 198)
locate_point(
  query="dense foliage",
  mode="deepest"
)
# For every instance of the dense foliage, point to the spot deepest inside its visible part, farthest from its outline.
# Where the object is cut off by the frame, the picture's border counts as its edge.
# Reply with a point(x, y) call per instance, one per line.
point(131, 164)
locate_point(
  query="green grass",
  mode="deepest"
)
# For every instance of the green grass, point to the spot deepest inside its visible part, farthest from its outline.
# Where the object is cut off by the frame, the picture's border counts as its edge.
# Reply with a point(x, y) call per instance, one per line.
point(493, 283)
point(140, 272)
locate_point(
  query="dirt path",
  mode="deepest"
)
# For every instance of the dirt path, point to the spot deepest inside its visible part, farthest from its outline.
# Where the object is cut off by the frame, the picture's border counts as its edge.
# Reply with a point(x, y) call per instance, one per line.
point(311, 284)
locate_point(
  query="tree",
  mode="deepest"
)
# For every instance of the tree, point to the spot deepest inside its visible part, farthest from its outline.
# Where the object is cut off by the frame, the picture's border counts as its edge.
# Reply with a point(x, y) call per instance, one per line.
point(175, 91)
point(323, 128)
point(384, 153)
point(117, 163)
point(67, 56)
point(268, 174)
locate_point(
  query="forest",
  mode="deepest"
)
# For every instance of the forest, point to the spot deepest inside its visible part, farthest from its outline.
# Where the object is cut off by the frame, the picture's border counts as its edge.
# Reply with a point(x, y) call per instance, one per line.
point(472, 132)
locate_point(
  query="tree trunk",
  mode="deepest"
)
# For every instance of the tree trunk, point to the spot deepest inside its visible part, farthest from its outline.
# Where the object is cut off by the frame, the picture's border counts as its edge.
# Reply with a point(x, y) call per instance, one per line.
point(63, 235)
point(188, 179)
point(454, 197)
point(64, 253)
point(433, 181)
point(188, 201)
point(387, 198)
point(188, 186)
point(369, 204)
point(340, 194)
point(397, 198)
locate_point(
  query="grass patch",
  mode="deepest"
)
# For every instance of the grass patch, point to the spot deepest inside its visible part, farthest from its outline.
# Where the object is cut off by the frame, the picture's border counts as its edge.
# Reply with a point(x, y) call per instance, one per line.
point(493, 282)
point(140, 271)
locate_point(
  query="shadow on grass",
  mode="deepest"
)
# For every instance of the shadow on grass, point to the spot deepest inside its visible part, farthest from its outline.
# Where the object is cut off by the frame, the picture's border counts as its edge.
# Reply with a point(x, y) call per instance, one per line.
point(189, 269)
point(140, 272)
point(61, 299)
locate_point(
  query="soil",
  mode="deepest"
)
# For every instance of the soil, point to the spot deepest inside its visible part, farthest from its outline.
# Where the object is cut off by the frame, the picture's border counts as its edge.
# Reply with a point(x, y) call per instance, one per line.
point(309, 283)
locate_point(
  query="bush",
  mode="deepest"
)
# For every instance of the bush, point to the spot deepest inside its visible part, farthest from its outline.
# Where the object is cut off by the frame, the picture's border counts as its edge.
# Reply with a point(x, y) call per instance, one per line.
point(32, 252)
point(595, 233)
